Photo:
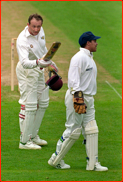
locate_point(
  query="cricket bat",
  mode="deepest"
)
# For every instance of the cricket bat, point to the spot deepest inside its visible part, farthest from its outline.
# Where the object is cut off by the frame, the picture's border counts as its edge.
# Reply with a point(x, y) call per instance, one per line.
point(52, 51)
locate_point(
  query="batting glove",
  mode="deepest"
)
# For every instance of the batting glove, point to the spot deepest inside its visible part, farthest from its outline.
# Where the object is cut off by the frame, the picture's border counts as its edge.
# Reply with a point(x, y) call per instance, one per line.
point(43, 64)
point(52, 67)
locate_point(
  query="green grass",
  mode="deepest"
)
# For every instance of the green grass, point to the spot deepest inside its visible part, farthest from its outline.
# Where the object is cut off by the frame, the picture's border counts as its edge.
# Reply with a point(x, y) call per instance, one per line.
point(72, 18)
point(24, 165)
point(103, 18)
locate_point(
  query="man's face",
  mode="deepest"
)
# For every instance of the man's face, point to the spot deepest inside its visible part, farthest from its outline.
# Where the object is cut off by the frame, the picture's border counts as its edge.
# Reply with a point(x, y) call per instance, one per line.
point(93, 46)
point(34, 26)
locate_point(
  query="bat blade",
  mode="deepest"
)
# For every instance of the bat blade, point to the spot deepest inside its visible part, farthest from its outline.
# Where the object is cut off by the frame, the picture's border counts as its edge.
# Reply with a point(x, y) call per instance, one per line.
point(53, 49)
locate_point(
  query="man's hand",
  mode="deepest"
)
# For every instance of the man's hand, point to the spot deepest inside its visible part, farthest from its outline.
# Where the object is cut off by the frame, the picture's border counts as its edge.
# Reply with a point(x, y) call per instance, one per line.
point(43, 64)
point(52, 67)
point(78, 101)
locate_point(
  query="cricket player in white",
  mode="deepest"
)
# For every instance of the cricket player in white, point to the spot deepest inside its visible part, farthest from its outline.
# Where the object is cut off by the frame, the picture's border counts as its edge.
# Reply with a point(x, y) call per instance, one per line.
point(34, 96)
point(80, 112)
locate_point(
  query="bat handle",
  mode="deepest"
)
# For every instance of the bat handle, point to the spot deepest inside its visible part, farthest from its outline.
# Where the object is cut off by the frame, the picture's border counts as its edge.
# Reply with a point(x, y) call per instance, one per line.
point(49, 74)
point(57, 74)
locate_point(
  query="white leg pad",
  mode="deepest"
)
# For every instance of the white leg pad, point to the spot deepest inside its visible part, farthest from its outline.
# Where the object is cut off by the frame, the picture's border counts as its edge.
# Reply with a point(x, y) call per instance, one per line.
point(44, 99)
point(31, 102)
point(37, 121)
point(91, 131)
point(43, 104)
point(67, 144)
point(28, 126)
point(21, 119)
point(30, 111)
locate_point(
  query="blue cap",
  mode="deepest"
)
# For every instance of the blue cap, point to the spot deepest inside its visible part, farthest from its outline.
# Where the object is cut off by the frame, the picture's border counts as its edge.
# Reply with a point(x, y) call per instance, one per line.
point(87, 36)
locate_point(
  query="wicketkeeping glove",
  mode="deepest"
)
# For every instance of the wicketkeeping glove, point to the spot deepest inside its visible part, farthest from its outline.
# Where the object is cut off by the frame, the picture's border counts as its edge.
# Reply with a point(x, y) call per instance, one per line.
point(78, 101)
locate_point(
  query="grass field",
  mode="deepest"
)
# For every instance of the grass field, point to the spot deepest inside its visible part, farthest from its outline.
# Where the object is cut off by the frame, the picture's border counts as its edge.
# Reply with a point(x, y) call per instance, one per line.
point(104, 18)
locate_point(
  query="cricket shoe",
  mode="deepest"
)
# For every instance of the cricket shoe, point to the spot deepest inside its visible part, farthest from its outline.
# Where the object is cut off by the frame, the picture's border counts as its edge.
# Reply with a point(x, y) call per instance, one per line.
point(98, 167)
point(29, 145)
point(61, 165)
point(39, 141)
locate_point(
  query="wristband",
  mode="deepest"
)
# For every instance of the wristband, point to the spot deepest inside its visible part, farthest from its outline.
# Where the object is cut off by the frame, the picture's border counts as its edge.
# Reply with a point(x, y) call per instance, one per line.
point(37, 61)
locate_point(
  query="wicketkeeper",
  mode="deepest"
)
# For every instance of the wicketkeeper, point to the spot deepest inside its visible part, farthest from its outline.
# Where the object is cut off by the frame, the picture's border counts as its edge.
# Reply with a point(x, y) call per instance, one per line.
point(80, 111)
point(34, 95)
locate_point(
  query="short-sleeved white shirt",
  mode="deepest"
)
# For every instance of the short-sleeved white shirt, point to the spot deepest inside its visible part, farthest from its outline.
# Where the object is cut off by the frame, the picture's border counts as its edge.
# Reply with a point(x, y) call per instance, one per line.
point(82, 73)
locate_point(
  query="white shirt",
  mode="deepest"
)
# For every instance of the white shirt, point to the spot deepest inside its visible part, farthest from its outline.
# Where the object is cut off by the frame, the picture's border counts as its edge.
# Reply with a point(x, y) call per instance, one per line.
point(30, 48)
point(82, 73)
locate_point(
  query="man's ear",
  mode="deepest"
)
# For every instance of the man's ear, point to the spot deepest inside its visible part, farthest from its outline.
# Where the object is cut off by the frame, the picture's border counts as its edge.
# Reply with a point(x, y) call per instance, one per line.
point(88, 42)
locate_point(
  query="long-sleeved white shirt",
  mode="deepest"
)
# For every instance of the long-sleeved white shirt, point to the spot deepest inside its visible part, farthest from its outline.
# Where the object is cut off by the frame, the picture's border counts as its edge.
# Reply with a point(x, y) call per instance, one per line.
point(82, 73)
point(30, 48)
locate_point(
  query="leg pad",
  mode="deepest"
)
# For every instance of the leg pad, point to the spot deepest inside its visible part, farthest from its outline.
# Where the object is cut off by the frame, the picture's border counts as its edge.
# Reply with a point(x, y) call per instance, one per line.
point(91, 131)
point(67, 144)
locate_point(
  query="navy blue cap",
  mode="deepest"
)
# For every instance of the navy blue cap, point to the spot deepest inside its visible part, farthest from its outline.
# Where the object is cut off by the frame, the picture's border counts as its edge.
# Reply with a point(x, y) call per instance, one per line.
point(87, 36)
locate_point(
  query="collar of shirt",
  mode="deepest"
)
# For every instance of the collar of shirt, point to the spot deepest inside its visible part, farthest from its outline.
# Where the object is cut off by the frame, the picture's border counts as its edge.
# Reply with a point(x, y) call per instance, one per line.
point(27, 32)
point(90, 54)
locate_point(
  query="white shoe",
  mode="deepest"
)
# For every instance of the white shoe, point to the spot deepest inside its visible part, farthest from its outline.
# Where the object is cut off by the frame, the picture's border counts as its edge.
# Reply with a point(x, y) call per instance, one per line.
point(29, 145)
point(98, 167)
point(61, 165)
point(39, 141)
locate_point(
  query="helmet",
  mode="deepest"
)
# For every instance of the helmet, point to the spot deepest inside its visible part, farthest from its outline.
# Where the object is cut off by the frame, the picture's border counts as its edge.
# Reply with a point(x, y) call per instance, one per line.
point(55, 83)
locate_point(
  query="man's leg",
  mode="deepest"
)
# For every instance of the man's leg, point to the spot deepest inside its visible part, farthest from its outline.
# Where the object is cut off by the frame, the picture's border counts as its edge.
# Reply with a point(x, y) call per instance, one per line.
point(21, 76)
point(30, 111)
point(43, 102)
point(66, 145)
point(42, 106)
point(21, 118)
point(28, 100)
point(70, 135)
point(90, 133)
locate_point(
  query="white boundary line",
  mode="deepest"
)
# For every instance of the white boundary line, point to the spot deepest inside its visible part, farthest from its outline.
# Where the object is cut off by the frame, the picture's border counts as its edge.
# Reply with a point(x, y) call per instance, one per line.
point(114, 89)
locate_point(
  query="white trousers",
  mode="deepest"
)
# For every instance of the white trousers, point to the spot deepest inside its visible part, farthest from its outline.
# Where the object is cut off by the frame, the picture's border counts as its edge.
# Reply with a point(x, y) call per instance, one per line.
point(75, 120)
point(31, 85)
point(30, 80)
